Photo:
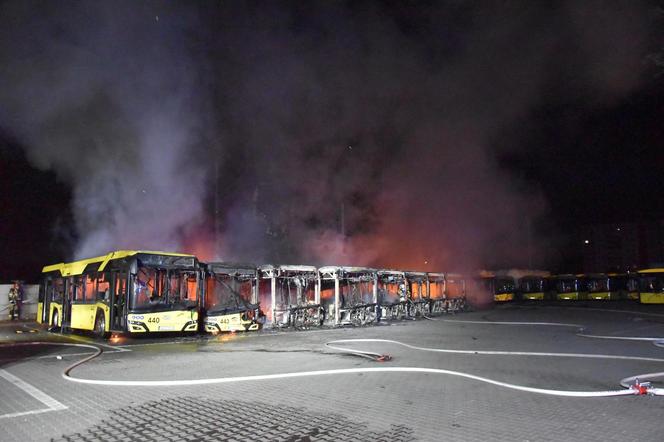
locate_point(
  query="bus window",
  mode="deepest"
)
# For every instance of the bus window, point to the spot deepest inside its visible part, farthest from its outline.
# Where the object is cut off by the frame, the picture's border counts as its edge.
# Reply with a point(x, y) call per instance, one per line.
point(58, 290)
point(89, 288)
point(75, 289)
point(182, 288)
point(103, 287)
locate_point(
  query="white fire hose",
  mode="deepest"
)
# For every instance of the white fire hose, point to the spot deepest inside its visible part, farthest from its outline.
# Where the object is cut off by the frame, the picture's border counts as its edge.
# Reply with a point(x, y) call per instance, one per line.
point(632, 384)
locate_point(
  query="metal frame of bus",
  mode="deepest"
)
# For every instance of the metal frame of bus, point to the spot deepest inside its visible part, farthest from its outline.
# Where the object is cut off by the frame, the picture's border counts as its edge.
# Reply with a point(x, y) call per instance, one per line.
point(436, 283)
point(418, 302)
point(454, 302)
point(393, 305)
point(304, 312)
point(347, 306)
point(110, 310)
point(233, 312)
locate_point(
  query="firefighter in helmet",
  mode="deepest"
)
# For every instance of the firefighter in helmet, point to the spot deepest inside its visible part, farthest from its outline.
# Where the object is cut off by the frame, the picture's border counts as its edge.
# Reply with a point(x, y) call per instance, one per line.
point(15, 296)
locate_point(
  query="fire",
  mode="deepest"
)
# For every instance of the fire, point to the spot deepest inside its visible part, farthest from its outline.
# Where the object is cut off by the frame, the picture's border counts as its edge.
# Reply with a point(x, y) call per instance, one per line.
point(201, 244)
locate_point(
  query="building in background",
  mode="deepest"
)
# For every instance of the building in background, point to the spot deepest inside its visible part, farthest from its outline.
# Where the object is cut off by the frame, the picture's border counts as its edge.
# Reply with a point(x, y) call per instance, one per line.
point(619, 247)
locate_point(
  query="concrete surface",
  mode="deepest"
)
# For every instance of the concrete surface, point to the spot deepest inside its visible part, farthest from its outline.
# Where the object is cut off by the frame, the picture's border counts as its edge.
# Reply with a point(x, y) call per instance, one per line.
point(339, 407)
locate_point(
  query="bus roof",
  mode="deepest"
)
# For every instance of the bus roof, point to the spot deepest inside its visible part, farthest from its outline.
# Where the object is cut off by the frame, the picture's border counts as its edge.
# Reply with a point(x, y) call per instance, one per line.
point(77, 267)
point(655, 270)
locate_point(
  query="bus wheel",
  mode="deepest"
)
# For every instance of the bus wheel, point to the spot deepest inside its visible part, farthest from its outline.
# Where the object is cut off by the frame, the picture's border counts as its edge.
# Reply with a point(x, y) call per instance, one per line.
point(100, 325)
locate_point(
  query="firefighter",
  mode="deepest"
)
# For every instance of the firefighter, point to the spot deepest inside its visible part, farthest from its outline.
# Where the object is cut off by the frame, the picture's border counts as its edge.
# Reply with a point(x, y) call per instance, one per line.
point(15, 296)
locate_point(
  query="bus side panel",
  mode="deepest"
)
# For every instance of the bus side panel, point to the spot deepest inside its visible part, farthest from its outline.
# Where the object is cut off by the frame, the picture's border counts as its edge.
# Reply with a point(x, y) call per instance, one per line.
point(503, 297)
point(40, 311)
point(83, 316)
point(651, 298)
point(599, 295)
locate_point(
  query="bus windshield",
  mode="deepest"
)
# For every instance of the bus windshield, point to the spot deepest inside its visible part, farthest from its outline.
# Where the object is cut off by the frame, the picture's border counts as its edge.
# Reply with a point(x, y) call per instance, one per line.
point(504, 285)
point(567, 285)
point(532, 285)
point(162, 289)
point(598, 285)
point(226, 293)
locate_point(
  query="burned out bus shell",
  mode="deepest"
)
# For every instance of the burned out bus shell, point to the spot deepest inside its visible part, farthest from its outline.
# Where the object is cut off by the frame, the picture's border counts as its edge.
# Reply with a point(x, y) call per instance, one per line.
point(231, 298)
point(290, 295)
point(348, 294)
point(418, 293)
point(124, 291)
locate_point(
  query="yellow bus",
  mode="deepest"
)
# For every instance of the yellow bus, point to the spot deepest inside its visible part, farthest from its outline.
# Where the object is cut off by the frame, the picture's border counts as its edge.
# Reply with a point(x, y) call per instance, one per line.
point(569, 287)
point(532, 288)
point(124, 291)
point(651, 286)
point(599, 287)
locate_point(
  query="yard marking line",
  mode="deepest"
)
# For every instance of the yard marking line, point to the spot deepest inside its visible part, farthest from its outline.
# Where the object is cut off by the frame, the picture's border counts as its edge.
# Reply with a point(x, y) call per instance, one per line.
point(42, 397)
point(24, 413)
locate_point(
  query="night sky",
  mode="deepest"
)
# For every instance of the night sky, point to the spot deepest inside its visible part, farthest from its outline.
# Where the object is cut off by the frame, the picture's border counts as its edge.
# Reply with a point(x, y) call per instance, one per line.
point(438, 136)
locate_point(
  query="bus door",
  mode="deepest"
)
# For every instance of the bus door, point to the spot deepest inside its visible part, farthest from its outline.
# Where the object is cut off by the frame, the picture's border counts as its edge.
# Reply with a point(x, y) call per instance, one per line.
point(118, 302)
point(45, 290)
point(70, 293)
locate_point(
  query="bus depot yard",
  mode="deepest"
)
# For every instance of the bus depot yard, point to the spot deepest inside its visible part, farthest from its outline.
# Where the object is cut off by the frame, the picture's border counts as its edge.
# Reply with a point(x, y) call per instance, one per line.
point(515, 372)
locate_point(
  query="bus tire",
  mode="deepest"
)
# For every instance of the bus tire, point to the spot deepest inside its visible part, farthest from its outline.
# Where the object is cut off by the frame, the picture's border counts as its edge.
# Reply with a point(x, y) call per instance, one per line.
point(100, 325)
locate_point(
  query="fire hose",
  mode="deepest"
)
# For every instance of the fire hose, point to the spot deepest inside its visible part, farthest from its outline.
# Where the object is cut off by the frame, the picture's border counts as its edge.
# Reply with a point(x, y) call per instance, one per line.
point(632, 385)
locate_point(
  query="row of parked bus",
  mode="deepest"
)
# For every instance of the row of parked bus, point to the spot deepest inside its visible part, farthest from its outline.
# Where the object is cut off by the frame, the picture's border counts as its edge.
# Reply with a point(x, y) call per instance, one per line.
point(140, 292)
point(645, 286)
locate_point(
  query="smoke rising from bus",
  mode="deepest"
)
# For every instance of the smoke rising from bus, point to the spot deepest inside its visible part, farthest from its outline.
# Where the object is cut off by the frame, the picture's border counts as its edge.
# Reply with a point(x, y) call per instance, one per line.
point(319, 133)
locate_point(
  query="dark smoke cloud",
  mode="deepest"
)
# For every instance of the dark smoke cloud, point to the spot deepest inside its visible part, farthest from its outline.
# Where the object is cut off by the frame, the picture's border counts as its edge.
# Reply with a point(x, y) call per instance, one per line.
point(105, 94)
point(318, 132)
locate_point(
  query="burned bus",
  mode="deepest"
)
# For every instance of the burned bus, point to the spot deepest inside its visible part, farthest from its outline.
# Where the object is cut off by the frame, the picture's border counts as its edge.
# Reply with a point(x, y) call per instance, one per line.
point(290, 296)
point(231, 298)
point(124, 291)
point(349, 294)
point(436, 293)
point(418, 296)
point(455, 293)
point(392, 294)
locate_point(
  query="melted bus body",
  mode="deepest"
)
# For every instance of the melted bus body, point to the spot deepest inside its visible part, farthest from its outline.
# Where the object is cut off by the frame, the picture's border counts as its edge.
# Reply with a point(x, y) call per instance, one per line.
point(124, 291)
point(651, 286)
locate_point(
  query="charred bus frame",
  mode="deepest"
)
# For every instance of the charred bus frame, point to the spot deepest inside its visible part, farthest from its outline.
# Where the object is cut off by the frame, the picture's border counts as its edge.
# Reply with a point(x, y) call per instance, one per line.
point(355, 294)
point(292, 295)
point(392, 294)
point(418, 293)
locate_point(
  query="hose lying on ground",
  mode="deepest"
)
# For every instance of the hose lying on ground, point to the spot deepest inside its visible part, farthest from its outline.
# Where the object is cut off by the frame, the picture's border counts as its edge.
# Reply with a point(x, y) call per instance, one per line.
point(632, 385)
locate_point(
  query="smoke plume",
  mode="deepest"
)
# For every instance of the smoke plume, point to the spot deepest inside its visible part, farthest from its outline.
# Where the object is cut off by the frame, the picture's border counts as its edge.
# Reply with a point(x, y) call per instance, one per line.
point(319, 132)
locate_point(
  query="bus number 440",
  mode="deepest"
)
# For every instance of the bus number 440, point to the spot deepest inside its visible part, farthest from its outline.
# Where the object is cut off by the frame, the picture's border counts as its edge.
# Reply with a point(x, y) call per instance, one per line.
point(155, 320)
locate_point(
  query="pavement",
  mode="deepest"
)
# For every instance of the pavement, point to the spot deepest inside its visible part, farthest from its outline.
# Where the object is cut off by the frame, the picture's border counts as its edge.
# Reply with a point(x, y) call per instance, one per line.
point(38, 403)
